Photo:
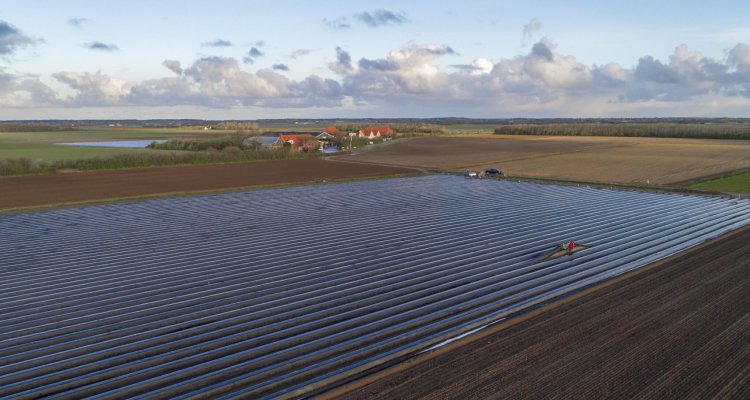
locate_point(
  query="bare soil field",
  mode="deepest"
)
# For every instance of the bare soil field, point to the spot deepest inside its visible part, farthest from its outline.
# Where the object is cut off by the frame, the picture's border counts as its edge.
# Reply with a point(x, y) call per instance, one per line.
point(27, 191)
point(650, 161)
point(677, 330)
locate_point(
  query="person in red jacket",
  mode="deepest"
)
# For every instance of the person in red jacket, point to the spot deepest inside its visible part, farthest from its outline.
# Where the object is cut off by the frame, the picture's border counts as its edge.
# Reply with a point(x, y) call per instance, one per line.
point(571, 246)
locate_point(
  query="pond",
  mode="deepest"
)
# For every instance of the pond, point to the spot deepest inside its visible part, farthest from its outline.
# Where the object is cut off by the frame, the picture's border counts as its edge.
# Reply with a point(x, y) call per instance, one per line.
point(122, 144)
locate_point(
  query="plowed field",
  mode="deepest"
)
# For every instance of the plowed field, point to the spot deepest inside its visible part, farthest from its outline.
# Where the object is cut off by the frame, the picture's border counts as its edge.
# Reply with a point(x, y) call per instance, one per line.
point(643, 161)
point(678, 330)
point(25, 191)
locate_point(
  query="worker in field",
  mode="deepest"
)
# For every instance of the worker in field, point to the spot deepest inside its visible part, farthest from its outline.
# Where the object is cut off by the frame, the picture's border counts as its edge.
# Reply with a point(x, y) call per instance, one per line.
point(571, 246)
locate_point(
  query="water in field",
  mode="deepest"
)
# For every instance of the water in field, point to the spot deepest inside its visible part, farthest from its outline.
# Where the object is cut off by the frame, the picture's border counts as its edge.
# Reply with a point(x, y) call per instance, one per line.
point(122, 144)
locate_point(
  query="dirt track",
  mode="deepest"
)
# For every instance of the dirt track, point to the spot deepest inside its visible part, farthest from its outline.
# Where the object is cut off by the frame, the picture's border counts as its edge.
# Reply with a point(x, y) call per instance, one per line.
point(25, 191)
point(679, 330)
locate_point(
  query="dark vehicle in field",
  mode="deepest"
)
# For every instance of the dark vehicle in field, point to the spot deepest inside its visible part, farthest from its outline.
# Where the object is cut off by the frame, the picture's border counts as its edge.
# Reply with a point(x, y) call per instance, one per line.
point(494, 171)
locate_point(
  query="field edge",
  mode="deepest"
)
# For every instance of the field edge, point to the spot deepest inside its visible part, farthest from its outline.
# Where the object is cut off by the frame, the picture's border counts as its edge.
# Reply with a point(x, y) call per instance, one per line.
point(359, 382)
point(190, 193)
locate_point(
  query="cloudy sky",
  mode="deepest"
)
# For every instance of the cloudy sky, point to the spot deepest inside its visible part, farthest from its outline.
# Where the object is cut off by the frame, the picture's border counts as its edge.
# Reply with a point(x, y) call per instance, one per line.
point(299, 59)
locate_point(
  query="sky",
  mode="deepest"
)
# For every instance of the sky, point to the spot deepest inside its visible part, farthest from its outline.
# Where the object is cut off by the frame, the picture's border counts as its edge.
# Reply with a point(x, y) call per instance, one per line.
point(386, 59)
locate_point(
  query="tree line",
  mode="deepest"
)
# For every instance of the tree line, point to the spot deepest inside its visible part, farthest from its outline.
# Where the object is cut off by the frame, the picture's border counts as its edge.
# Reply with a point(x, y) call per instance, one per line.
point(666, 130)
point(247, 127)
point(33, 128)
point(221, 143)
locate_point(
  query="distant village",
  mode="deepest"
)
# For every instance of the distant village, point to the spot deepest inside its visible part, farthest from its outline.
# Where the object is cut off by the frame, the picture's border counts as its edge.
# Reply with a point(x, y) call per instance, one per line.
point(331, 139)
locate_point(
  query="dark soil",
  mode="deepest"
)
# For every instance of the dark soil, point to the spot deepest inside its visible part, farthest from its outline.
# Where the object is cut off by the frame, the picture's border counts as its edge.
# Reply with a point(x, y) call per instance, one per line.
point(26, 191)
point(678, 330)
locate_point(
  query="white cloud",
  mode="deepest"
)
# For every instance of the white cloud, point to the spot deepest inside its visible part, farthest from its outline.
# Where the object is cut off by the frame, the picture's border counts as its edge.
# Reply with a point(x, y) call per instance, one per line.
point(382, 17)
point(551, 70)
point(739, 57)
point(343, 64)
point(217, 43)
point(481, 66)
point(541, 82)
point(531, 28)
point(211, 82)
point(373, 19)
point(78, 22)
point(408, 71)
point(23, 91)
point(252, 54)
point(93, 89)
point(173, 65)
point(299, 53)
point(99, 46)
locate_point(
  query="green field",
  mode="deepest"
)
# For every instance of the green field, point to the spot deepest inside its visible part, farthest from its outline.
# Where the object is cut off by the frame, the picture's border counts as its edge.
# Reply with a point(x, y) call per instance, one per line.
point(91, 134)
point(739, 183)
point(41, 145)
point(49, 152)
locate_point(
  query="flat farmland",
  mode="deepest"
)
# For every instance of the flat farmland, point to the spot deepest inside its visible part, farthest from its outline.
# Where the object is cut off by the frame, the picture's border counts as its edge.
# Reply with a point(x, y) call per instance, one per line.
point(284, 293)
point(738, 183)
point(650, 161)
point(42, 145)
point(52, 152)
point(44, 190)
point(678, 330)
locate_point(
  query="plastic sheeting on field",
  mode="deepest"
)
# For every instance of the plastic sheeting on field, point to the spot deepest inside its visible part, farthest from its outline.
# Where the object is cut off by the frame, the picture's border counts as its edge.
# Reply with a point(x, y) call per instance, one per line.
point(286, 292)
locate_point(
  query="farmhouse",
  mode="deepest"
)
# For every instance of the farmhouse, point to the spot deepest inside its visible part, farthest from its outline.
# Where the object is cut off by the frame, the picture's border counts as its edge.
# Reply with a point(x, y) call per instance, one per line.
point(326, 140)
point(333, 130)
point(296, 139)
point(265, 141)
point(375, 131)
point(325, 136)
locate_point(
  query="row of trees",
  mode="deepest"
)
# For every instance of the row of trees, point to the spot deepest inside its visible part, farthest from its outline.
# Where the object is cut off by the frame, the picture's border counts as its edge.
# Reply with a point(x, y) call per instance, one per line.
point(671, 130)
point(33, 128)
point(200, 144)
point(418, 128)
point(238, 126)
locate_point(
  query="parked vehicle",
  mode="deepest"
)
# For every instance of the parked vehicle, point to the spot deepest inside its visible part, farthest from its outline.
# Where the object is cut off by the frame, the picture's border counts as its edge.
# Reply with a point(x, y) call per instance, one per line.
point(470, 174)
point(494, 171)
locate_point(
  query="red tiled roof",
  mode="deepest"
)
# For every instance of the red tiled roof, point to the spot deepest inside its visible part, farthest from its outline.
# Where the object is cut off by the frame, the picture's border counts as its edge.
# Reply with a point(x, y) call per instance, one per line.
point(296, 139)
point(384, 130)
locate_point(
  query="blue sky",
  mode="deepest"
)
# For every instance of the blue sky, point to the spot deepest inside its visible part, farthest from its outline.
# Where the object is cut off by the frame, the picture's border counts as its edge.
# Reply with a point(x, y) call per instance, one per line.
point(245, 60)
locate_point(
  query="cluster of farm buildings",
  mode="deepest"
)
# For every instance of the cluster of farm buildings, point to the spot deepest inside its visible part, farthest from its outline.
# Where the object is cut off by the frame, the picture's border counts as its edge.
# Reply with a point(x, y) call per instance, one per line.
point(328, 138)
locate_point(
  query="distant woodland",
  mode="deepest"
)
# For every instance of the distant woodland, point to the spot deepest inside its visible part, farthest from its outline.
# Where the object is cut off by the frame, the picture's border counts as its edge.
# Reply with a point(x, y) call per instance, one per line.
point(33, 128)
point(713, 128)
point(721, 130)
